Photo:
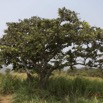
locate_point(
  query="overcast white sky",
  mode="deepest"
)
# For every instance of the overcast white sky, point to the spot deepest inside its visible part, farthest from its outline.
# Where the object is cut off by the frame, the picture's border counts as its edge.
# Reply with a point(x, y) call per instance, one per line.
point(12, 10)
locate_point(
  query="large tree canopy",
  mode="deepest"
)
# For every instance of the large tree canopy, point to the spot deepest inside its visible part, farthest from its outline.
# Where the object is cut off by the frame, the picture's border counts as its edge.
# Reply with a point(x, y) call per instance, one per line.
point(38, 43)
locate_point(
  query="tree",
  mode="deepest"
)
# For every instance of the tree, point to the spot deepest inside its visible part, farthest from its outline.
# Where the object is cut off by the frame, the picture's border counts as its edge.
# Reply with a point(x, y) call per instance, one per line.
point(86, 48)
point(38, 43)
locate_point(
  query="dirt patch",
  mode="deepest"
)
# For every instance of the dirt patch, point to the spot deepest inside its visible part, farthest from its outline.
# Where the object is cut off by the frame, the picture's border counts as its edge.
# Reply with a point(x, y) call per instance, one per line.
point(6, 99)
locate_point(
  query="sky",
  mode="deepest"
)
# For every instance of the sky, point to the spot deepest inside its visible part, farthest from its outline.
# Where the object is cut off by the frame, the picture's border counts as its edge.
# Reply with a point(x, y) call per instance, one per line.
point(13, 10)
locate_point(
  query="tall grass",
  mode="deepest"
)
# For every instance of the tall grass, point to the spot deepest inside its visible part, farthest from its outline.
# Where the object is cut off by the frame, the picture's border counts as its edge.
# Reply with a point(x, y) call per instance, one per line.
point(9, 84)
point(60, 89)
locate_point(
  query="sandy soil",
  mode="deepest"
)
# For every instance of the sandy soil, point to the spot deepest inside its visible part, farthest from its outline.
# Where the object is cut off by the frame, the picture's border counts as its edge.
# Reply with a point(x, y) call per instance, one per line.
point(5, 99)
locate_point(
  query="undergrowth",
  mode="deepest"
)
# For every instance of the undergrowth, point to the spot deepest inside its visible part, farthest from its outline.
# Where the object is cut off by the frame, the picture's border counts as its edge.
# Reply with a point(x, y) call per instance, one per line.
point(59, 89)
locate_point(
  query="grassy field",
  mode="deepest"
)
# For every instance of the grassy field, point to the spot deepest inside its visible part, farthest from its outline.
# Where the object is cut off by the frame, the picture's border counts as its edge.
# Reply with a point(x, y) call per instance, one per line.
point(78, 86)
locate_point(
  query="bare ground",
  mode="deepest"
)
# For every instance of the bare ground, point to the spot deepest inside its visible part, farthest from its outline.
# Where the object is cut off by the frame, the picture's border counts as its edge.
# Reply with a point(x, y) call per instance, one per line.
point(6, 99)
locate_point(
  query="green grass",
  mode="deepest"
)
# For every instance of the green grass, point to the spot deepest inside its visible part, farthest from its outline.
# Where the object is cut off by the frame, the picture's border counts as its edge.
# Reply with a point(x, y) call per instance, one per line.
point(9, 84)
point(61, 88)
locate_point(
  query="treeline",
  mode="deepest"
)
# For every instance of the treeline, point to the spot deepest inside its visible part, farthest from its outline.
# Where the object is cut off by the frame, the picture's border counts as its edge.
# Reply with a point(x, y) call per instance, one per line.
point(44, 45)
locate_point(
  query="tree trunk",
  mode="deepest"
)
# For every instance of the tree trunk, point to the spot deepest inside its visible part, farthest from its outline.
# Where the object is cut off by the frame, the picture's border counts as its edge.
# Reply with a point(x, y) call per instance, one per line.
point(44, 77)
point(29, 76)
point(42, 80)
